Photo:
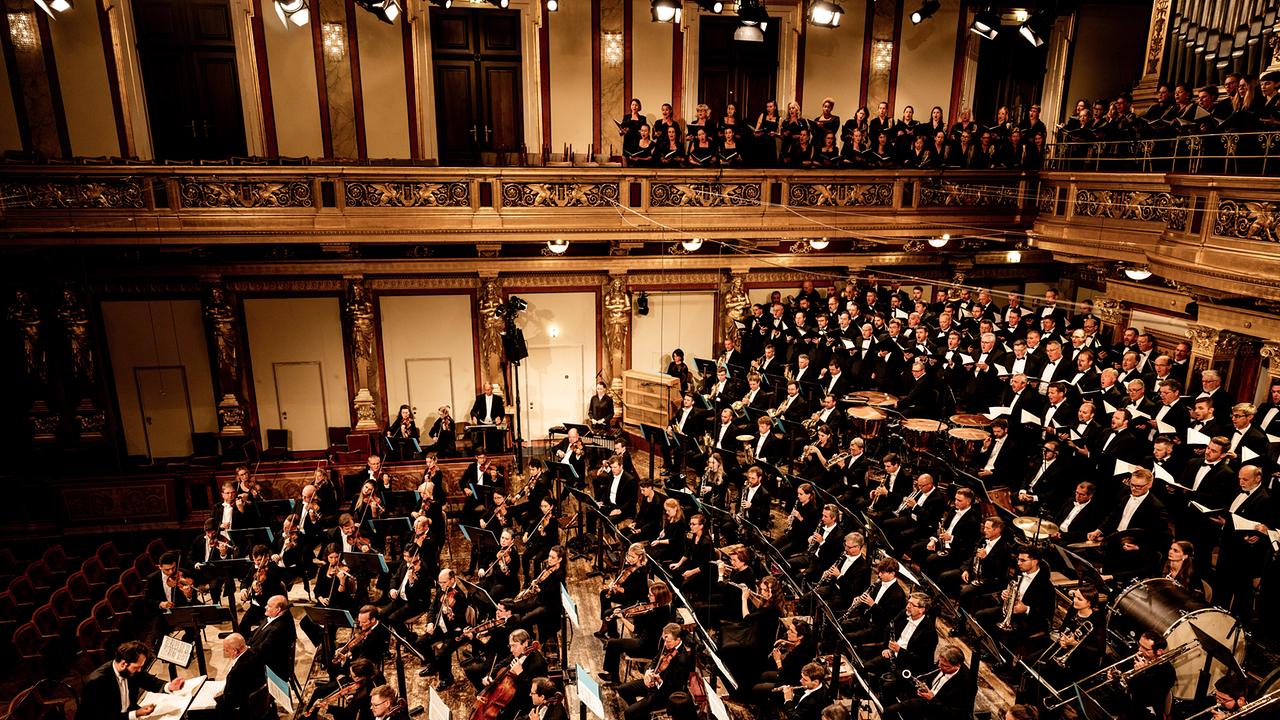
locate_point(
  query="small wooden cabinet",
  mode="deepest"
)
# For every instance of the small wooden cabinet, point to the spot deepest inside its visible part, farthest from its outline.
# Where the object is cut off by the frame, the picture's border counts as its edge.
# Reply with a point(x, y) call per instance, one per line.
point(648, 398)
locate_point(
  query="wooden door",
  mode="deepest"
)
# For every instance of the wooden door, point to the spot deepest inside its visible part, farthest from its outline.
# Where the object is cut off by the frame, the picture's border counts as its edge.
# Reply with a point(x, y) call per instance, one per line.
point(187, 52)
point(553, 385)
point(166, 410)
point(733, 71)
point(476, 54)
point(300, 400)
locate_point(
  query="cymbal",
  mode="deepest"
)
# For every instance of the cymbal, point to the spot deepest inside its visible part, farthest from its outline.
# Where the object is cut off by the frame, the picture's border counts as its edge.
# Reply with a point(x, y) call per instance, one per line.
point(746, 438)
point(1083, 545)
point(1035, 527)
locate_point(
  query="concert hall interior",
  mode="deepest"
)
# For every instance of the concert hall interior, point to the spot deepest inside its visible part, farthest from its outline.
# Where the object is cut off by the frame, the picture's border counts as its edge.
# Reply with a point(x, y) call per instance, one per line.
point(640, 359)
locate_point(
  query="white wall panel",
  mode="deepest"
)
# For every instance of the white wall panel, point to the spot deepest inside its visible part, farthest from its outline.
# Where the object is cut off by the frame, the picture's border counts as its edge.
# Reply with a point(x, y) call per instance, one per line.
point(158, 334)
point(684, 320)
point(293, 331)
point(417, 328)
point(561, 331)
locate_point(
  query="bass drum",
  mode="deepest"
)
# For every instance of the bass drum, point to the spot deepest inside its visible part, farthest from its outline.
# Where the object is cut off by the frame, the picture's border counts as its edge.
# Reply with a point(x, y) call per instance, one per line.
point(1167, 608)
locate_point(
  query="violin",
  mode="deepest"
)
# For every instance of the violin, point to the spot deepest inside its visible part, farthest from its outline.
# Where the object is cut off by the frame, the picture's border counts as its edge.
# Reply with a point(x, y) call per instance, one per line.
point(484, 627)
point(633, 610)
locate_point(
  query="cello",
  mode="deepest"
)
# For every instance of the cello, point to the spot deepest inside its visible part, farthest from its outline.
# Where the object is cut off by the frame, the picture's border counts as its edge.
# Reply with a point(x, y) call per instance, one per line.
point(498, 694)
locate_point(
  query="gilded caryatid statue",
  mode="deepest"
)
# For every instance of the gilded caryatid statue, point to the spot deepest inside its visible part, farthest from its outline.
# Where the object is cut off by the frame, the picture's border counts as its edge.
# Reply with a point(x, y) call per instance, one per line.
point(360, 312)
point(222, 320)
point(26, 319)
point(617, 324)
point(489, 300)
point(734, 302)
point(75, 322)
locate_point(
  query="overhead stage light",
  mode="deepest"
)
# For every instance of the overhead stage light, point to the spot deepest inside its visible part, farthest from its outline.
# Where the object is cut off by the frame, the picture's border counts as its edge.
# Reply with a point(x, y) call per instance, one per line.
point(692, 244)
point(825, 14)
point(986, 24)
point(385, 10)
point(1137, 273)
point(54, 6)
point(925, 12)
point(293, 11)
point(665, 11)
point(711, 6)
point(558, 246)
point(1035, 29)
point(748, 33)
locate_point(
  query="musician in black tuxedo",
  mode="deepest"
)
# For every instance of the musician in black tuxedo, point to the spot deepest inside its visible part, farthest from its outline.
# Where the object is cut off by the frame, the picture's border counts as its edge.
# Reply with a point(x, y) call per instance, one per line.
point(668, 674)
point(616, 492)
point(921, 400)
point(234, 512)
point(111, 692)
point(1243, 554)
point(953, 541)
point(875, 608)
point(276, 638)
point(1080, 515)
point(488, 409)
point(1129, 554)
point(1033, 598)
point(244, 676)
point(949, 696)
point(1246, 436)
point(985, 571)
point(754, 499)
point(546, 700)
point(908, 644)
point(687, 425)
point(918, 514)
point(1047, 482)
point(1003, 460)
point(523, 663)
point(808, 704)
point(824, 545)
point(848, 575)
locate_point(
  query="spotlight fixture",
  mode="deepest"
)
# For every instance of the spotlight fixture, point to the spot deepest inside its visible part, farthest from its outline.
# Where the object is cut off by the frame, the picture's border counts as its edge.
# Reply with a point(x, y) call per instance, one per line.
point(446, 4)
point(642, 303)
point(1137, 273)
point(940, 242)
point(711, 6)
point(748, 33)
point(986, 24)
point(1014, 256)
point(385, 10)
point(819, 244)
point(553, 5)
point(293, 11)
point(558, 246)
point(692, 244)
point(54, 6)
point(665, 11)
point(753, 13)
point(1035, 28)
point(926, 11)
point(516, 305)
point(825, 14)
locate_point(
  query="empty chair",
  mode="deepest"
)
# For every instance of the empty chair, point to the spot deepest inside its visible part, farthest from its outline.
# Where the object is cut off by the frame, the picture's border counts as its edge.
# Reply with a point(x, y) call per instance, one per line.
point(64, 605)
point(80, 591)
point(144, 565)
point(111, 559)
point(47, 623)
point(96, 575)
point(92, 641)
point(122, 605)
point(155, 549)
point(28, 643)
point(132, 583)
point(23, 594)
point(106, 617)
point(42, 578)
point(59, 563)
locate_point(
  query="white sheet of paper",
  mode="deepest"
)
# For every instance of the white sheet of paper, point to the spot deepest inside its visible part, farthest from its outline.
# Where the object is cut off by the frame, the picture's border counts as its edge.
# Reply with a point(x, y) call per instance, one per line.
point(1165, 475)
point(1273, 438)
point(1110, 408)
point(1030, 417)
point(1203, 508)
point(1266, 419)
point(1001, 370)
point(1165, 427)
point(169, 706)
point(1123, 467)
point(1242, 523)
point(437, 708)
point(714, 703)
point(1075, 435)
point(994, 412)
point(1195, 437)
point(848, 344)
point(1246, 454)
point(965, 359)
point(205, 698)
point(1136, 413)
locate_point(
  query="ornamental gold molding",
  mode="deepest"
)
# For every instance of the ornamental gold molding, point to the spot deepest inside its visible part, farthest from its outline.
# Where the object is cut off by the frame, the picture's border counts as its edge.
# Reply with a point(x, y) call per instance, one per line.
point(559, 194)
point(1160, 207)
point(328, 285)
point(703, 194)
point(215, 193)
point(75, 193)
point(840, 194)
point(392, 194)
point(443, 282)
point(935, 192)
point(1248, 219)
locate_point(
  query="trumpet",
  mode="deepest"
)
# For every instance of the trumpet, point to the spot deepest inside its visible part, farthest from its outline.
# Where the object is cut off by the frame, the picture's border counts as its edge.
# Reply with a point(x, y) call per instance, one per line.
point(921, 685)
point(1010, 602)
point(837, 459)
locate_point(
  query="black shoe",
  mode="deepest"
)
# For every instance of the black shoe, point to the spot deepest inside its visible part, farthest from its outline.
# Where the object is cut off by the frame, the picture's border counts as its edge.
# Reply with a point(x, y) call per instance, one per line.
point(425, 672)
point(224, 635)
point(444, 685)
point(605, 676)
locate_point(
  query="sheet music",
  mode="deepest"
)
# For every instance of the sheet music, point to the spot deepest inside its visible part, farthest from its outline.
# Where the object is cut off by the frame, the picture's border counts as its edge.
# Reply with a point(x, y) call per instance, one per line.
point(205, 698)
point(175, 651)
point(996, 411)
point(1195, 437)
point(1242, 523)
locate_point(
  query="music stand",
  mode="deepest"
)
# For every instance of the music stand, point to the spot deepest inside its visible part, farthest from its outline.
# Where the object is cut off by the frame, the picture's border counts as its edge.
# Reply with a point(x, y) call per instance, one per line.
point(365, 564)
point(655, 437)
point(474, 586)
point(1214, 650)
point(392, 527)
point(478, 537)
point(276, 509)
point(585, 501)
point(326, 618)
point(195, 617)
point(247, 538)
point(706, 368)
point(404, 501)
point(230, 571)
point(401, 645)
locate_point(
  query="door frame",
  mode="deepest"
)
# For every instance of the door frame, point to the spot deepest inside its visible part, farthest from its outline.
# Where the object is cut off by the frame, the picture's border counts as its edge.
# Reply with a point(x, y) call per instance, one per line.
point(789, 25)
point(133, 93)
point(275, 384)
point(142, 408)
point(419, 18)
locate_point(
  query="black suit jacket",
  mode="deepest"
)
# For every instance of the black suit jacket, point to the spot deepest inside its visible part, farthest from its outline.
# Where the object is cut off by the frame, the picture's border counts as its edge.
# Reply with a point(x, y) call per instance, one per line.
point(275, 642)
point(477, 409)
point(1149, 517)
point(247, 676)
point(955, 699)
point(917, 656)
point(758, 513)
point(808, 707)
point(1085, 522)
point(154, 594)
point(100, 698)
point(891, 605)
point(628, 491)
point(1218, 487)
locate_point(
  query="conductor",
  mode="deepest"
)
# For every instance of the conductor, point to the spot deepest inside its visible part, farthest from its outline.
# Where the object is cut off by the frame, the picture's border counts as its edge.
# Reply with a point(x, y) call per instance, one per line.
point(489, 410)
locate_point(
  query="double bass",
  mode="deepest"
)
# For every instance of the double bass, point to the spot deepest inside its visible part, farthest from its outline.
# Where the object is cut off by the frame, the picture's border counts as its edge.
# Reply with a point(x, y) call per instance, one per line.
point(498, 694)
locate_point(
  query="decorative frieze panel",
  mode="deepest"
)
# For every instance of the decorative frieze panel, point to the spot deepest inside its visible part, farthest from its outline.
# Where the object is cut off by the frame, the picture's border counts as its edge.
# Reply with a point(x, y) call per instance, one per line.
point(942, 193)
point(1160, 207)
point(1047, 199)
point(370, 193)
point(707, 194)
point(123, 193)
point(840, 194)
point(214, 193)
point(559, 195)
point(1248, 219)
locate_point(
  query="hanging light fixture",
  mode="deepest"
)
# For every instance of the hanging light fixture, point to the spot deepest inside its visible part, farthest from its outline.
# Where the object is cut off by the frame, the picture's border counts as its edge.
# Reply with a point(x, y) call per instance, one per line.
point(553, 5)
point(665, 11)
point(940, 241)
point(293, 11)
point(1035, 28)
point(825, 14)
point(1137, 273)
point(711, 6)
point(926, 11)
point(819, 244)
point(691, 245)
point(986, 24)
point(54, 6)
point(559, 246)
point(1014, 256)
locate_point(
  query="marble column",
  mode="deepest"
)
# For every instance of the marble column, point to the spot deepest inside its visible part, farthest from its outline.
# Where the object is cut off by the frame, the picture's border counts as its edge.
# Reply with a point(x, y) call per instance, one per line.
point(362, 342)
point(223, 323)
point(82, 384)
point(29, 327)
point(612, 81)
point(28, 31)
point(1157, 32)
point(336, 49)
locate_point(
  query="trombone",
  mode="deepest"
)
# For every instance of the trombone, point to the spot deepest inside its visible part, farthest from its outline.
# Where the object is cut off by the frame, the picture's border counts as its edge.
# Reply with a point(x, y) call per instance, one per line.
point(1090, 683)
point(1252, 706)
